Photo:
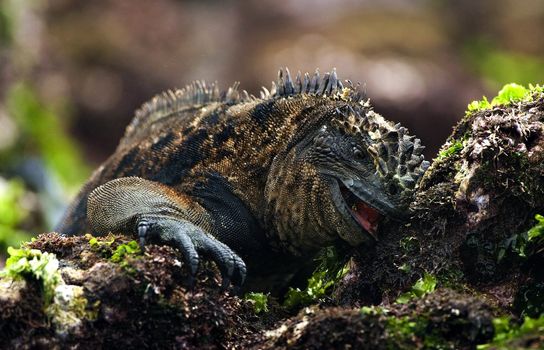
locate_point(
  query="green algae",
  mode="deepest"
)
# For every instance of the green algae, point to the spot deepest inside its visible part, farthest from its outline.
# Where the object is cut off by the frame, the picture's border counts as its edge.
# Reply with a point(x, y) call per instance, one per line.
point(508, 95)
point(329, 272)
point(258, 300)
point(35, 264)
point(423, 286)
point(507, 331)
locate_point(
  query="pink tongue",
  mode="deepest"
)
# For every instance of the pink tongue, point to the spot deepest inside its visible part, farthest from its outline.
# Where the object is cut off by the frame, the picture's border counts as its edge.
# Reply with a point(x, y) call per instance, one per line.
point(367, 217)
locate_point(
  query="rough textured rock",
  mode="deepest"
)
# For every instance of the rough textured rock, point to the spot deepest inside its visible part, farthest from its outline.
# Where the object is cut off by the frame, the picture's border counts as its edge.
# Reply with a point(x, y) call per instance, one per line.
point(443, 319)
point(138, 301)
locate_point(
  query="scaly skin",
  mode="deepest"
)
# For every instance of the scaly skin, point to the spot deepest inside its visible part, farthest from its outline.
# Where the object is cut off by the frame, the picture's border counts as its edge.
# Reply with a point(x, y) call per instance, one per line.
point(266, 180)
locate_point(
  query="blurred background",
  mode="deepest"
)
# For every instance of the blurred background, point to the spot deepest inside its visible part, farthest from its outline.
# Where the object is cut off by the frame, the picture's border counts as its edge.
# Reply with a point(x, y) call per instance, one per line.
point(73, 72)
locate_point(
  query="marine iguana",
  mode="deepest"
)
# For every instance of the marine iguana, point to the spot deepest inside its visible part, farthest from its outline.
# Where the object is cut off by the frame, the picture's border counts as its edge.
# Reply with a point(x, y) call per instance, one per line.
point(266, 181)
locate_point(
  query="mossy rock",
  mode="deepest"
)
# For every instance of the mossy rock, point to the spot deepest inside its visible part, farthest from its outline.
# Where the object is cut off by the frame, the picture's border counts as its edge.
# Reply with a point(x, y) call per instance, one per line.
point(441, 320)
point(139, 300)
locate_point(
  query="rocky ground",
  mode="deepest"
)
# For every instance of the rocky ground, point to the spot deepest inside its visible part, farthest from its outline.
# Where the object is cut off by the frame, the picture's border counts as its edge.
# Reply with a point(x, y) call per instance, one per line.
point(463, 272)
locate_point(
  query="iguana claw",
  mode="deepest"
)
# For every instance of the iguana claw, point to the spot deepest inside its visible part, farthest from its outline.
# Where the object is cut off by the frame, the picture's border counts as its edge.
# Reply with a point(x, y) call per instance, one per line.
point(193, 242)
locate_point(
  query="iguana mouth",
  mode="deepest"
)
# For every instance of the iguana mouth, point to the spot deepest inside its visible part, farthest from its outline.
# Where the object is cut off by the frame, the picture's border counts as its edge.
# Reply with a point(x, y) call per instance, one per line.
point(365, 215)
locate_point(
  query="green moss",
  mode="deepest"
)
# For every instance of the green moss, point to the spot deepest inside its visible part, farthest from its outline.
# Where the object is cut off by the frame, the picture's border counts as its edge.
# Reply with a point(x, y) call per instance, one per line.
point(523, 244)
point(480, 105)
point(424, 285)
point(509, 94)
point(536, 233)
point(426, 324)
point(453, 147)
point(259, 301)
point(32, 263)
point(401, 330)
point(407, 331)
point(456, 147)
point(506, 331)
point(65, 305)
point(317, 288)
point(374, 310)
point(330, 270)
point(521, 248)
point(102, 245)
point(124, 250)
point(96, 243)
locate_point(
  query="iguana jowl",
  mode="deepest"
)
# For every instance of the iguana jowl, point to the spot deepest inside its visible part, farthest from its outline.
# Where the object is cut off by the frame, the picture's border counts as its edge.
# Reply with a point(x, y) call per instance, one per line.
point(266, 180)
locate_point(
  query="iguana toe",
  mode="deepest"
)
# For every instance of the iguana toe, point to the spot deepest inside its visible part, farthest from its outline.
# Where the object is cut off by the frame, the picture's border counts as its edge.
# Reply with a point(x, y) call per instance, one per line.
point(193, 242)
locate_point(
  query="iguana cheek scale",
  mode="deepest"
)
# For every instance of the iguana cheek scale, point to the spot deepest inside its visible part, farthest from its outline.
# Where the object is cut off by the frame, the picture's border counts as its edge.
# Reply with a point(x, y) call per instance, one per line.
point(256, 184)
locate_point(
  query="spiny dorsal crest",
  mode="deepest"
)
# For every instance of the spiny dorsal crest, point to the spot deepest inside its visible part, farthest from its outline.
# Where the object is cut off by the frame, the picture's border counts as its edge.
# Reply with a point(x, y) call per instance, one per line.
point(327, 85)
point(396, 155)
point(199, 93)
point(194, 95)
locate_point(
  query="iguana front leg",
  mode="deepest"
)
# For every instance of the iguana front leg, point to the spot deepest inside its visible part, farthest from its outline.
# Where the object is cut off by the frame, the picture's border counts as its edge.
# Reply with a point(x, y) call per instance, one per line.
point(156, 213)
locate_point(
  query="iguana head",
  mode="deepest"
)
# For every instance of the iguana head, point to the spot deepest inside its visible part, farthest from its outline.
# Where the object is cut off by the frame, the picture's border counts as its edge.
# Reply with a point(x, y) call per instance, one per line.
point(351, 165)
point(373, 165)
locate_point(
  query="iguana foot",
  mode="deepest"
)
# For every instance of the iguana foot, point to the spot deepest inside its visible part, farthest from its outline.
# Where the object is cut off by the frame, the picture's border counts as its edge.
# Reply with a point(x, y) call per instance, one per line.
point(156, 213)
point(193, 242)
